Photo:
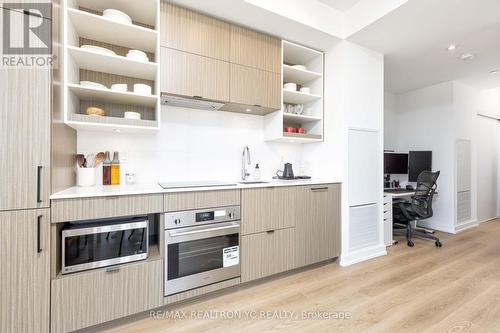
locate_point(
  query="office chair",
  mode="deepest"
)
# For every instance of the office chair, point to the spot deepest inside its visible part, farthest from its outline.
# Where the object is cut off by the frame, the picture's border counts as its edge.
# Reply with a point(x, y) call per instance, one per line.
point(406, 212)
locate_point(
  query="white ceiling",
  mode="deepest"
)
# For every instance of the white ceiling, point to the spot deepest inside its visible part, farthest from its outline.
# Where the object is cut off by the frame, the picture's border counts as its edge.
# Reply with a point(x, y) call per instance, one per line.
point(342, 5)
point(415, 36)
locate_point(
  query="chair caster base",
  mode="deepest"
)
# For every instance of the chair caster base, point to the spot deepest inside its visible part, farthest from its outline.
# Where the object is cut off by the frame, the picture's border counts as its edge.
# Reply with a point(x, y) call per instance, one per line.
point(410, 244)
point(439, 244)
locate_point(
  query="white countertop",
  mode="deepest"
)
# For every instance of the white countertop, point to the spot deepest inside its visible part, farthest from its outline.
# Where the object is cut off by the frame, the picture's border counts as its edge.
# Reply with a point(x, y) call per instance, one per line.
point(116, 190)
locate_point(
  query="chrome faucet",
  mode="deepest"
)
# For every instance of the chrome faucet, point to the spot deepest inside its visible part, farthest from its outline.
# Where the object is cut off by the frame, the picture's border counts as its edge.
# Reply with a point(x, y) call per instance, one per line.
point(245, 162)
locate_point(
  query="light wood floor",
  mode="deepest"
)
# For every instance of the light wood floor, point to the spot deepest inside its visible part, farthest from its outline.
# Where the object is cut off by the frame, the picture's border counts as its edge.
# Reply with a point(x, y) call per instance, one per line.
point(455, 288)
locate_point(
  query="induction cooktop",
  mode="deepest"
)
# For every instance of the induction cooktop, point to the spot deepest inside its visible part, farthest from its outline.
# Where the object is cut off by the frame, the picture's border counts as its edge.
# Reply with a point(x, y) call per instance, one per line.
point(184, 184)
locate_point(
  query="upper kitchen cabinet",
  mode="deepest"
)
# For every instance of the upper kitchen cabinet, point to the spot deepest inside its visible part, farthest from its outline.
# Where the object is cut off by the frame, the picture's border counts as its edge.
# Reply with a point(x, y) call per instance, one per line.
point(111, 63)
point(186, 30)
point(195, 76)
point(25, 104)
point(255, 49)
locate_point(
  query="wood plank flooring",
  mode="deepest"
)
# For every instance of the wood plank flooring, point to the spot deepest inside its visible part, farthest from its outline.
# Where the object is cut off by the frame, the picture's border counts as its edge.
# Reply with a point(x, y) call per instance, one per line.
point(455, 288)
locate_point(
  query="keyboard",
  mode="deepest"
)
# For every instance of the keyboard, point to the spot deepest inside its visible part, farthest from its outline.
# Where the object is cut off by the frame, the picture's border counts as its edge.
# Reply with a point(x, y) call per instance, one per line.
point(398, 190)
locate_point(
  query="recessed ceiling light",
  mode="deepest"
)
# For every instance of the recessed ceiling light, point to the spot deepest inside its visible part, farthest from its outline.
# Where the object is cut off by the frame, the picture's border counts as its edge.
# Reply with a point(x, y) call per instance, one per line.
point(116, 130)
point(248, 110)
point(452, 47)
point(467, 56)
point(495, 72)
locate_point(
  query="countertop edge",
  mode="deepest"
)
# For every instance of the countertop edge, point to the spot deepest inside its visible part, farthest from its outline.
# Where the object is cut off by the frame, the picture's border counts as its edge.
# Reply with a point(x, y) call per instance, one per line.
point(123, 190)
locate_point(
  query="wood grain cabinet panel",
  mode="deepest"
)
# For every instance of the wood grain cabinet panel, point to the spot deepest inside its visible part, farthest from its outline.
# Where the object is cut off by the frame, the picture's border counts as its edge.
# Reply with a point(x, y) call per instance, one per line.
point(191, 75)
point(255, 49)
point(24, 271)
point(25, 104)
point(317, 236)
point(267, 253)
point(186, 30)
point(104, 207)
point(268, 208)
point(84, 299)
point(252, 86)
point(201, 199)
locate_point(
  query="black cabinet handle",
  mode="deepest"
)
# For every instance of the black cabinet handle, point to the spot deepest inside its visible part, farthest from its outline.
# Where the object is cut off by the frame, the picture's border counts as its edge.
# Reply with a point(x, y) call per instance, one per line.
point(39, 234)
point(39, 184)
point(197, 97)
point(270, 231)
point(319, 188)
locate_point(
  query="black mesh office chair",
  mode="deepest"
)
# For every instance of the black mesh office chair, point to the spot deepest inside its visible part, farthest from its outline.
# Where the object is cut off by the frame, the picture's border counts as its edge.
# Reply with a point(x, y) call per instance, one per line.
point(418, 208)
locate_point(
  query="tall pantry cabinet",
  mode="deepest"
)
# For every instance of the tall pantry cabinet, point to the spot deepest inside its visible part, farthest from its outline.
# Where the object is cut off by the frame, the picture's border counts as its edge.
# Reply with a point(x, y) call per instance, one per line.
point(25, 122)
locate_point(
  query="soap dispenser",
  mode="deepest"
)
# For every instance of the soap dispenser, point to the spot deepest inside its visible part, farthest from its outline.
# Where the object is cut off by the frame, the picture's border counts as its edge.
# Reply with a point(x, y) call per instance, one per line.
point(256, 172)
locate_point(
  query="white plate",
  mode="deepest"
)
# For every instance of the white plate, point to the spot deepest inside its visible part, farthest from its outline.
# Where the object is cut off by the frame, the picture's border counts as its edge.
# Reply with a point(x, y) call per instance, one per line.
point(117, 16)
point(137, 53)
point(302, 67)
point(92, 84)
point(137, 57)
point(97, 49)
point(132, 115)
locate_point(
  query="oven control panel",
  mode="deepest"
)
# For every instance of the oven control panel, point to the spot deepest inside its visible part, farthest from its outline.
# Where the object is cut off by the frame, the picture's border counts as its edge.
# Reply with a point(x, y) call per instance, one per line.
point(188, 218)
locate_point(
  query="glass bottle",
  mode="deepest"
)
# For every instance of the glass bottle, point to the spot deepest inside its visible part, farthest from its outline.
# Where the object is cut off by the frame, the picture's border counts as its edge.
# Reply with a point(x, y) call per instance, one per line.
point(115, 169)
point(106, 170)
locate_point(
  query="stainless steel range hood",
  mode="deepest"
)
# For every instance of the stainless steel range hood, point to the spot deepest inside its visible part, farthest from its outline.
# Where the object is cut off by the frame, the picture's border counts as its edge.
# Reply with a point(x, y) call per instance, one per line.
point(192, 103)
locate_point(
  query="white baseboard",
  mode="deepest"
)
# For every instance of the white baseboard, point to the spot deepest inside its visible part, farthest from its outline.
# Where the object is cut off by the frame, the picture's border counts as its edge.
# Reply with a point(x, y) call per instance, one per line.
point(363, 255)
point(467, 225)
point(490, 219)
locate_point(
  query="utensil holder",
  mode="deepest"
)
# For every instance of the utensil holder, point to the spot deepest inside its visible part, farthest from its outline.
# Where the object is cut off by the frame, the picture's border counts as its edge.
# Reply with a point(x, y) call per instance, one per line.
point(85, 177)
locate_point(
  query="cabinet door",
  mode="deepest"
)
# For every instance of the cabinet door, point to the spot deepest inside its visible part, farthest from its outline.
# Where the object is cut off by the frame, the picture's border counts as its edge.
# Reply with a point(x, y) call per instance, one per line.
point(255, 49)
point(267, 253)
point(267, 209)
point(186, 30)
point(318, 230)
point(24, 272)
point(193, 75)
point(25, 97)
point(252, 86)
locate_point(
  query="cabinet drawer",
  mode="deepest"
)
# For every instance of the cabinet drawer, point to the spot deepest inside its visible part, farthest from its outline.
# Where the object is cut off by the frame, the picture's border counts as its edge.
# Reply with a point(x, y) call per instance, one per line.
point(268, 208)
point(200, 200)
point(85, 299)
point(267, 253)
point(192, 75)
point(104, 207)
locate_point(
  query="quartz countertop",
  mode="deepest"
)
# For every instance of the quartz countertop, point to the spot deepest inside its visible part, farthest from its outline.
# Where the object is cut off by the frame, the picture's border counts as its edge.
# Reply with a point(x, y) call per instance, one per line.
point(152, 188)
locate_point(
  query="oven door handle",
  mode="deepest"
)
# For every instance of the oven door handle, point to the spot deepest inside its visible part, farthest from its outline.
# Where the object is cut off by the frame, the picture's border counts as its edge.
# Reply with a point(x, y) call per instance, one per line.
point(208, 231)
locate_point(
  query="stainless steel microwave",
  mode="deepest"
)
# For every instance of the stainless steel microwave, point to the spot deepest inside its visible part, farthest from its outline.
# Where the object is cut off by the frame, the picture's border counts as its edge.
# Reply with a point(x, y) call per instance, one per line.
point(92, 245)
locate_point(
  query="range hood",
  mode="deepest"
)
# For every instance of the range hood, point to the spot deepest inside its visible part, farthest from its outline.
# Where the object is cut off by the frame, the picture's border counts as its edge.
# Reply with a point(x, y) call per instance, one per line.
point(193, 103)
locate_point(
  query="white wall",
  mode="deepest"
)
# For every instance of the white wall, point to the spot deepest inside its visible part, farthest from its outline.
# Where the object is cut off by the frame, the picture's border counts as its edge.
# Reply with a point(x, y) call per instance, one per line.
point(390, 121)
point(194, 145)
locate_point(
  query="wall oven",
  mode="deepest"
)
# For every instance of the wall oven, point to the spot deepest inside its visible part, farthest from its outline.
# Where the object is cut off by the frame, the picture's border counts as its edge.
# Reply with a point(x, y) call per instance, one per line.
point(202, 247)
point(99, 244)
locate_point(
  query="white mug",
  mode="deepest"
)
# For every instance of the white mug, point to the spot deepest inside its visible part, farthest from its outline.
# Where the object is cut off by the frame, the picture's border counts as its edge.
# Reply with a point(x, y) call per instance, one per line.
point(305, 90)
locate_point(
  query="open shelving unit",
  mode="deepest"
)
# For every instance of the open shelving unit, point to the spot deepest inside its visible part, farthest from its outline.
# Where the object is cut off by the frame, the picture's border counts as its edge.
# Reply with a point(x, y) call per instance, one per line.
point(84, 25)
point(304, 67)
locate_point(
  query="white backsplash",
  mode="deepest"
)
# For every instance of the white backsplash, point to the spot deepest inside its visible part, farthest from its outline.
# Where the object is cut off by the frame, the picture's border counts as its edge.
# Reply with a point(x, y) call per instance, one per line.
point(195, 145)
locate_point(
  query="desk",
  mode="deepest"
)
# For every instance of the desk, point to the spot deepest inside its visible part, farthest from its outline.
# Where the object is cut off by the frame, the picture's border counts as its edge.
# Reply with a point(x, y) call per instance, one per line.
point(389, 196)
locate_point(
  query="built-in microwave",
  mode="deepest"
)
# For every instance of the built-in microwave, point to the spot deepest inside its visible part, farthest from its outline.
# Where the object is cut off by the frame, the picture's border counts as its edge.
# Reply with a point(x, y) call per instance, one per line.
point(99, 244)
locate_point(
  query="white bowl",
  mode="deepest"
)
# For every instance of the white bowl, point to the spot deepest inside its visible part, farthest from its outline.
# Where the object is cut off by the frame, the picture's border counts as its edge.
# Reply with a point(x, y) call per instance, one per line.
point(132, 115)
point(290, 86)
point(92, 84)
point(117, 16)
point(137, 52)
point(143, 89)
point(302, 67)
point(97, 49)
point(138, 56)
point(305, 90)
point(119, 87)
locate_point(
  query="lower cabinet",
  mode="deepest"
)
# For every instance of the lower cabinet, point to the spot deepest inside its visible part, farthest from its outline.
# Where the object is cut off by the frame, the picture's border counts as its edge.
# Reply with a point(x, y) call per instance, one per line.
point(267, 253)
point(24, 271)
point(84, 299)
point(317, 235)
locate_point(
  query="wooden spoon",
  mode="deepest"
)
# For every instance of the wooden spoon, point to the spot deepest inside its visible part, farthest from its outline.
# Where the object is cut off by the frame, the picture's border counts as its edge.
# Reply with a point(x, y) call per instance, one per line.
point(98, 159)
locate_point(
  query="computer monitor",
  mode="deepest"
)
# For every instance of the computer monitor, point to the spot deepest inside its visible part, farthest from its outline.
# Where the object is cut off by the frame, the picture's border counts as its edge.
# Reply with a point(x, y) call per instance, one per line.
point(419, 161)
point(395, 163)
